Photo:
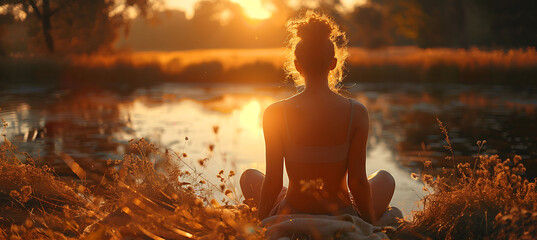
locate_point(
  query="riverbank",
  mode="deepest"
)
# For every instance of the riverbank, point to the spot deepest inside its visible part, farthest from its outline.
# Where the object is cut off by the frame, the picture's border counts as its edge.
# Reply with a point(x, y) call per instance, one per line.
point(261, 66)
point(147, 194)
point(153, 193)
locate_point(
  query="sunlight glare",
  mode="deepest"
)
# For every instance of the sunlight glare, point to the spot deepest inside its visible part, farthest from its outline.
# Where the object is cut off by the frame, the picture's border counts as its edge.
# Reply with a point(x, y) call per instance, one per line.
point(249, 116)
point(256, 9)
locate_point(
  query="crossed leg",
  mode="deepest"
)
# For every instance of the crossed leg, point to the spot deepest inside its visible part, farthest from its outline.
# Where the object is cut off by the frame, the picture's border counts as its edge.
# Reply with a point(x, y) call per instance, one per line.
point(382, 188)
point(251, 182)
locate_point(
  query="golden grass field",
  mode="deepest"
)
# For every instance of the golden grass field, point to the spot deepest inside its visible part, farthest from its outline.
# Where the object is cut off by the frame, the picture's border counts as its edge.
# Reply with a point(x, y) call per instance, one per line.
point(264, 66)
point(403, 56)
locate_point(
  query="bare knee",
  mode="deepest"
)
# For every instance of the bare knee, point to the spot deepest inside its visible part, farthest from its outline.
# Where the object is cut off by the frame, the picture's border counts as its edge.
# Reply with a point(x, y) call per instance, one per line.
point(248, 175)
point(386, 177)
point(250, 182)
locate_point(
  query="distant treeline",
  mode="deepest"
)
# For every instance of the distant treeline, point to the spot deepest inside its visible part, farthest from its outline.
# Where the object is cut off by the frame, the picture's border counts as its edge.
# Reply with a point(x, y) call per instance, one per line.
point(454, 23)
point(392, 65)
point(88, 27)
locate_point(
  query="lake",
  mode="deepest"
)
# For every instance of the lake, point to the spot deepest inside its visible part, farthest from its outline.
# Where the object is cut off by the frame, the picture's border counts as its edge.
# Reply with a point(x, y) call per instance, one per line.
point(223, 123)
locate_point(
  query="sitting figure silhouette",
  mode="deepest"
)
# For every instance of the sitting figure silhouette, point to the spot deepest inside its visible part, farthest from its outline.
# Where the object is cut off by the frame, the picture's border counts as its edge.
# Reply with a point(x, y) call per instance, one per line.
point(321, 135)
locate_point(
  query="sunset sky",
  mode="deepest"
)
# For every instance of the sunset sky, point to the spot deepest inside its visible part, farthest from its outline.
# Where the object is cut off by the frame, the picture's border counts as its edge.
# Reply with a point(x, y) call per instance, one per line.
point(259, 9)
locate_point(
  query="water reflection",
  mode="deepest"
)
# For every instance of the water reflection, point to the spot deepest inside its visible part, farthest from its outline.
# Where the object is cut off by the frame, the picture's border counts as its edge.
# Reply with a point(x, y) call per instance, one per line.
point(235, 131)
point(81, 127)
point(505, 118)
point(224, 124)
point(239, 140)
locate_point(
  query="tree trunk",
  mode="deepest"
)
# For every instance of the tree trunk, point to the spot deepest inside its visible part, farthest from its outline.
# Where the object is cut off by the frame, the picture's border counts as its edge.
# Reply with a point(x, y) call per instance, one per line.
point(45, 20)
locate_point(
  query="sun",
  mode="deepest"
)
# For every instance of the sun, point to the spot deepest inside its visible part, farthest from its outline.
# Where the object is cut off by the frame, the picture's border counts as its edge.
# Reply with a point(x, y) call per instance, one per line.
point(256, 9)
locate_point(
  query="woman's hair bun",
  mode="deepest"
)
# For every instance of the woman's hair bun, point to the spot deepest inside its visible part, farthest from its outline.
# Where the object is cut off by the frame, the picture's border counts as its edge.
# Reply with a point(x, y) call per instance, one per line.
point(314, 30)
point(315, 40)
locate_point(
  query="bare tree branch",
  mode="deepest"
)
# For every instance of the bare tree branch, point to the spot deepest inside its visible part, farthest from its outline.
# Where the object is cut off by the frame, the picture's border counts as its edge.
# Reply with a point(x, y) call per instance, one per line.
point(36, 9)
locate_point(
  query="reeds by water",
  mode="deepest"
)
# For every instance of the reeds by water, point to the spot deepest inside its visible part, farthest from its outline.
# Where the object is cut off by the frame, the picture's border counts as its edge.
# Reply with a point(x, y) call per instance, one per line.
point(393, 64)
point(152, 193)
point(144, 195)
point(487, 199)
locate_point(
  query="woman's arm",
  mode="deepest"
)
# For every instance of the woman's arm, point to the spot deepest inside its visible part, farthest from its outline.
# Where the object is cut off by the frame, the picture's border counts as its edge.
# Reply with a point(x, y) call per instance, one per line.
point(357, 177)
point(273, 183)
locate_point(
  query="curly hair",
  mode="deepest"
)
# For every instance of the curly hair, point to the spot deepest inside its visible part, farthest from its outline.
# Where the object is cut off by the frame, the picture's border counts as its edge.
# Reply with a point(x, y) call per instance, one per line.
point(314, 40)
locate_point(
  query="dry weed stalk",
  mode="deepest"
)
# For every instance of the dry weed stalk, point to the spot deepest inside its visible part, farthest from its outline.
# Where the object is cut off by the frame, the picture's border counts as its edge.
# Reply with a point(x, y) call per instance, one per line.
point(144, 195)
point(491, 200)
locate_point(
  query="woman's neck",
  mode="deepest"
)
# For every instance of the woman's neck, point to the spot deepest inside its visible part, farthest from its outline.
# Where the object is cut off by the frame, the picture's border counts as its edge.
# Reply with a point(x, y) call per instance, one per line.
point(316, 85)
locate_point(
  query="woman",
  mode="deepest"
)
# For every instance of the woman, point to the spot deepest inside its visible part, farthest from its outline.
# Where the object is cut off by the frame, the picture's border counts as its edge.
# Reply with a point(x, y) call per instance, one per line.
point(321, 135)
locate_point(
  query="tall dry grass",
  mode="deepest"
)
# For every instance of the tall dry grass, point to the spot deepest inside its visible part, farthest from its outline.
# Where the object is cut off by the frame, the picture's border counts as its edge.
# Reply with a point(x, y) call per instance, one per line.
point(393, 64)
point(472, 58)
point(145, 195)
point(487, 199)
point(473, 66)
point(153, 194)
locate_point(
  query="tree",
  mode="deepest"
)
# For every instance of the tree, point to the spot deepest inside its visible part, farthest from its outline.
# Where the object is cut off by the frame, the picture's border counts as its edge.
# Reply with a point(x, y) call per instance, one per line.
point(44, 14)
point(464, 23)
point(372, 26)
point(509, 23)
point(80, 26)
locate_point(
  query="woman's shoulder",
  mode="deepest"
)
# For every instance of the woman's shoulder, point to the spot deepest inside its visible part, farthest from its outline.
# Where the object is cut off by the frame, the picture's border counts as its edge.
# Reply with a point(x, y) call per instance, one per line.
point(360, 114)
point(358, 106)
point(278, 106)
point(274, 109)
point(273, 115)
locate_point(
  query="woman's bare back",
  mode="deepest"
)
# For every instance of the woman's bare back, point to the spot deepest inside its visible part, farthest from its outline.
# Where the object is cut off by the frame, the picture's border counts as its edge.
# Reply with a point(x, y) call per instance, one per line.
point(316, 138)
